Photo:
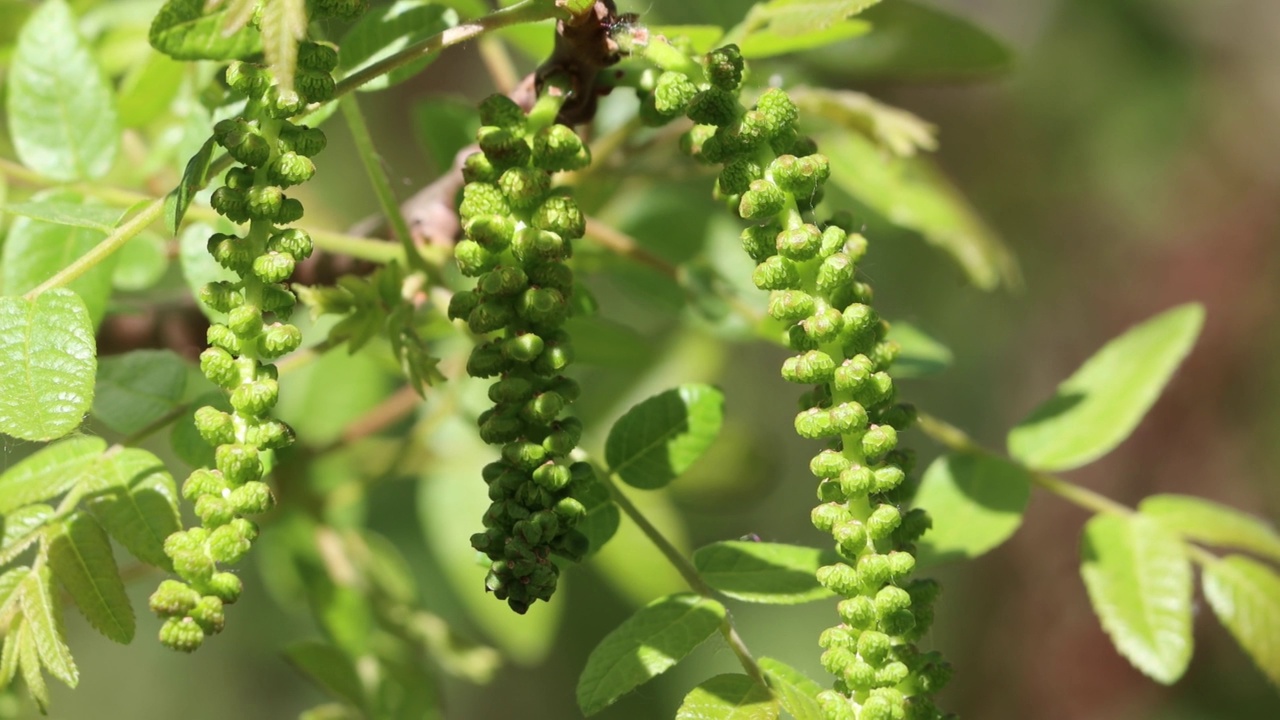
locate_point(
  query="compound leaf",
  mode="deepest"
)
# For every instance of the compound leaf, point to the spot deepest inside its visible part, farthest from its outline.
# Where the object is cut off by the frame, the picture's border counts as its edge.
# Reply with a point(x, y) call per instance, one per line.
point(80, 555)
point(797, 693)
point(136, 389)
point(1096, 408)
point(731, 696)
point(644, 646)
point(1209, 522)
point(136, 500)
point(658, 439)
point(762, 572)
point(976, 502)
point(1245, 595)
point(21, 529)
point(43, 617)
point(47, 365)
point(62, 116)
point(29, 662)
point(51, 471)
point(1139, 581)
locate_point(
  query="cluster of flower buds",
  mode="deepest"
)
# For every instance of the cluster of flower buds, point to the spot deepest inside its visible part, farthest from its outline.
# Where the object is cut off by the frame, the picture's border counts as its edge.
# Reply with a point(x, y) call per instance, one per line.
point(773, 177)
point(272, 154)
point(518, 233)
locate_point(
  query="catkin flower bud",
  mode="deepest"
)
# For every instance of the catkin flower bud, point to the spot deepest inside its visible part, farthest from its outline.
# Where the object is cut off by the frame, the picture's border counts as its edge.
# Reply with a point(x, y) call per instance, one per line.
point(181, 634)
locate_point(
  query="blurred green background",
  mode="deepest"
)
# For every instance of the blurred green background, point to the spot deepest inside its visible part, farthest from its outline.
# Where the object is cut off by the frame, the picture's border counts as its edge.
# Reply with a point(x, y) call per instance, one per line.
point(1128, 157)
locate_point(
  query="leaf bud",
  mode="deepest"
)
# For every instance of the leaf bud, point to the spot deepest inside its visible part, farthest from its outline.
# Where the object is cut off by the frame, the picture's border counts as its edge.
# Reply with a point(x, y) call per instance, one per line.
point(252, 498)
point(713, 106)
point(557, 147)
point(776, 273)
point(761, 201)
point(238, 463)
point(173, 598)
point(561, 215)
point(838, 578)
point(760, 241)
point(858, 611)
point(829, 464)
point(218, 365)
point(790, 305)
point(255, 398)
point(473, 260)
point(181, 634)
point(780, 111)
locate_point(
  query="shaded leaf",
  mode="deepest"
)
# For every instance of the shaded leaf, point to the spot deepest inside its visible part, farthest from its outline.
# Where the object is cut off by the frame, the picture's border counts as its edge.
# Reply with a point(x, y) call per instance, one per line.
point(1096, 408)
point(135, 499)
point(49, 472)
point(794, 689)
point(21, 529)
point(1203, 521)
point(913, 194)
point(658, 439)
point(771, 42)
point(645, 645)
point(919, 355)
point(762, 572)
point(43, 616)
point(62, 117)
point(728, 697)
point(47, 365)
point(138, 388)
point(141, 263)
point(329, 667)
point(385, 30)
point(149, 89)
point(1245, 595)
point(894, 129)
point(976, 502)
point(80, 555)
point(915, 41)
point(37, 249)
point(74, 213)
point(183, 31)
point(1139, 582)
point(194, 177)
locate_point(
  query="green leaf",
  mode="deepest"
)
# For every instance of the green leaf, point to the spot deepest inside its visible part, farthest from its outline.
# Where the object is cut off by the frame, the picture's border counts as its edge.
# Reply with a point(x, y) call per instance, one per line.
point(141, 263)
point(37, 249)
point(21, 529)
point(1245, 595)
point(913, 194)
point(29, 662)
point(61, 114)
point(1139, 582)
point(644, 646)
point(43, 617)
point(914, 41)
point(183, 31)
point(799, 17)
point(80, 555)
point(49, 472)
point(658, 439)
point(729, 697)
point(449, 512)
point(794, 689)
point(1208, 522)
point(976, 502)
point(443, 126)
point(602, 518)
point(385, 30)
point(770, 42)
point(138, 388)
point(762, 572)
point(920, 354)
point(9, 655)
point(194, 177)
point(701, 37)
point(10, 581)
point(283, 24)
point(47, 365)
point(185, 439)
point(1098, 407)
point(149, 89)
point(894, 129)
point(72, 212)
point(329, 667)
point(136, 500)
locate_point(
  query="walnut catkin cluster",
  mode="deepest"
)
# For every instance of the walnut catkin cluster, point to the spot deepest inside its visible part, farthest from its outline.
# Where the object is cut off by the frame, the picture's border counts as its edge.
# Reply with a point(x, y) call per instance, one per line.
point(774, 178)
point(518, 233)
point(272, 154)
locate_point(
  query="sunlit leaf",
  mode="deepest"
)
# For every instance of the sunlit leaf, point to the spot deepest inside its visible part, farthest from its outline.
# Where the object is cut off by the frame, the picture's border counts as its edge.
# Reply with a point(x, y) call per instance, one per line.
point(43, 621)
point(657, 440)
point(136, 500)
point(47, 364)
point(1245, 595)
point(976, 502)
point(729, 697)
point(1208, 522)
point(794, 689)
point(80, 555)
point(183, 31)
point(762, 572)
point(49, 472)
point(387, 29)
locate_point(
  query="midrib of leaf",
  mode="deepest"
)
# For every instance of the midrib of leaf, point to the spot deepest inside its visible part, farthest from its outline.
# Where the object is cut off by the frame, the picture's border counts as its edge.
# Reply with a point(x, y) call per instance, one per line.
point(93, 579)
point(658, 442)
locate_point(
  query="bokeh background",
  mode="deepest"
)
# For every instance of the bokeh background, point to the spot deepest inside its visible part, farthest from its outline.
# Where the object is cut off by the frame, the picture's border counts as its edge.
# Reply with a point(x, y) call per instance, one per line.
point(1129, 155)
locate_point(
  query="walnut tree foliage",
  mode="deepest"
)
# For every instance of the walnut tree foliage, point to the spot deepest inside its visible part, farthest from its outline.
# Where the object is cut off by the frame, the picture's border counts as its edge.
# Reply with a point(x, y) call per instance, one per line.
point(156, 162)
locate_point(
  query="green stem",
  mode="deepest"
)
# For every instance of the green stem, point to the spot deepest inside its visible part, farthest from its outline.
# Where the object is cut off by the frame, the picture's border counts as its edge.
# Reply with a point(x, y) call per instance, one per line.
point(381, 184)
point(690, 575)
point(528, 11)
point(102, 250)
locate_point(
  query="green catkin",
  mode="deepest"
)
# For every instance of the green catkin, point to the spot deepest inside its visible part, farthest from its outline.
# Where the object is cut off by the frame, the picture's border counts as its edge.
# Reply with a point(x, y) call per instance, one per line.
point(272, 154)
point(518, 236)
point(771, 177)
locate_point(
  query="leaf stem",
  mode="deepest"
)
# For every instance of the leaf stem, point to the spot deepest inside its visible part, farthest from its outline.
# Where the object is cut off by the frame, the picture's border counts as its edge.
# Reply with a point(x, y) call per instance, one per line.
point(527, 11)
point(381, 184)
point(112, 242)
point(690, 575)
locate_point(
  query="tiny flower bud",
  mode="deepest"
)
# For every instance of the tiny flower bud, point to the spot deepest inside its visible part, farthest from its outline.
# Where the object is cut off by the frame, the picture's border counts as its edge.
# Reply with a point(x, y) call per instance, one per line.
point(181, 634)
